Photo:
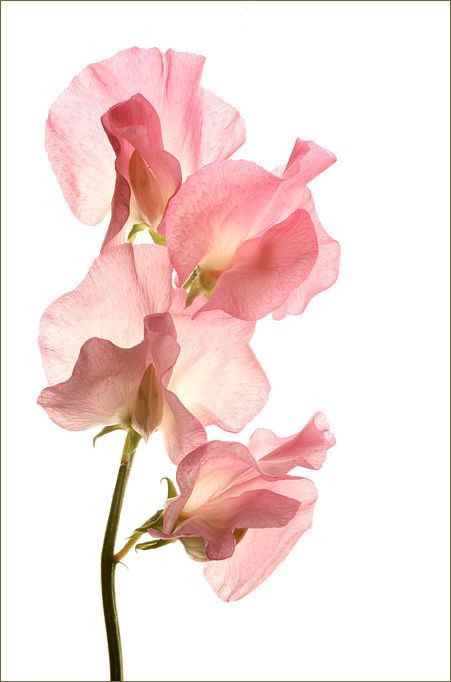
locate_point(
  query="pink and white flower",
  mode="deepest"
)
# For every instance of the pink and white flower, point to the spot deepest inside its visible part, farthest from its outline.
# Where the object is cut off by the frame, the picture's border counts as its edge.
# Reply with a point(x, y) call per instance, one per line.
point(186, 127)
point(239, 510)
point(249, 240)
point(104, 370)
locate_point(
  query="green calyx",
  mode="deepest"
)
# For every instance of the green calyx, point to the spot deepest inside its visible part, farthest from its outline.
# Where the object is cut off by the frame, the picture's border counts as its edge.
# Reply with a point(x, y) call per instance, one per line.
point(172, 490)
point(155, 522)
point(134, 437)
point(157, 238)
point(154, 544)
point(199, 282)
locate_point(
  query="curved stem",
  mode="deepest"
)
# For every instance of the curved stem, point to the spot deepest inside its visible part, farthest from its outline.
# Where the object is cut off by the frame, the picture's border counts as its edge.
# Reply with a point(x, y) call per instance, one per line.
point(108, 561)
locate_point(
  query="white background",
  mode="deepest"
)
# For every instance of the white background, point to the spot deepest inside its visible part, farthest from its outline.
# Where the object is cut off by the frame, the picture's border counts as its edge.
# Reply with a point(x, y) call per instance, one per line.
point(364, 595)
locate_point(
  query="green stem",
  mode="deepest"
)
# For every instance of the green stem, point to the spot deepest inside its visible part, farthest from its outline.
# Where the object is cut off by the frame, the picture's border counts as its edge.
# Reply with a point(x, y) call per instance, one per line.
point(133, 539)
point(108, 561)
point(128, 545)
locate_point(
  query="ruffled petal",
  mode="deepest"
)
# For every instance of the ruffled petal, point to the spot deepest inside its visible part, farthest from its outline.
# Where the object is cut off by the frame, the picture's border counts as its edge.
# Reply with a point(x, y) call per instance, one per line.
point(307, 160)
point(112, 385)
point(122, 287)
point(217, 375)
point(101, 389)
point(207, 473)
point(308, 448)
point(222, 130)
point(161, 336)
point(214, 212)
point(266, 269)
point(261, 550)
point(323, 274)
point(180, 429)
point(260, 508)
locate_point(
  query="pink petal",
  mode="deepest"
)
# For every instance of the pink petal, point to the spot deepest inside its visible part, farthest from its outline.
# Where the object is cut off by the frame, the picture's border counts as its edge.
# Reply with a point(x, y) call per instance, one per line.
point(154, 178)
point(191, 120)
point(133, 128)
point(206, 473)
point(123, 216)
point(223, 130)
point(214, 211)
point(308, 448)
point(122, 287)
point(217, 375)
point(96, 394)
point(252, 509)
point(262, 550)
point(135, 120)
point(112, 385)
point(181, 431)
point(307, 160)
point(149, 403)
point(161, 336)
point(323, 274)
point(198, 127)
point(266, 269)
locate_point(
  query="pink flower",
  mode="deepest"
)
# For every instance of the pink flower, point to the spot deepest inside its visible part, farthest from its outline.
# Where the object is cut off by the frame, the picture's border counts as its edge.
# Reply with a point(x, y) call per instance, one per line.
point(187, 127)
point(103, 370)
point(250, 240)
point(239, 511)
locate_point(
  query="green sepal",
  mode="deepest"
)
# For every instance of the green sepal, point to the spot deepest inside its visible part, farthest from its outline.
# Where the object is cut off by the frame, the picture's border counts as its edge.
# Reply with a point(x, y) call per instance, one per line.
point(154, 544)
point(155, 521)
point(172, 490)
point(193, 292)
point(144, 227)
point(159, 239)
point(136, 229)
point(109, 429)
point(198, 282)
point(191, 279)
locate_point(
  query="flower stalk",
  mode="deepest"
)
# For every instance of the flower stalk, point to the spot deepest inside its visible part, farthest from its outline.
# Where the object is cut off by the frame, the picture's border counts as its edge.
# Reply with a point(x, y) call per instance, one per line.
point(131, 542)
point(109, 561)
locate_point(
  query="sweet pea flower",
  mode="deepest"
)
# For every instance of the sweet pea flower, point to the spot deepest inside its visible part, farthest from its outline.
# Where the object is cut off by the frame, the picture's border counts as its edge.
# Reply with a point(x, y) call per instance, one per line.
point(168, 131)
point(103, 370)
point(249, 240)
point(238, 509)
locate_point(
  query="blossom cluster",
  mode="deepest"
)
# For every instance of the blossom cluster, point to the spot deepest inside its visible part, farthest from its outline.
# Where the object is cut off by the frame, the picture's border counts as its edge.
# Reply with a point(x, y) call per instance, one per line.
point(157, 335)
